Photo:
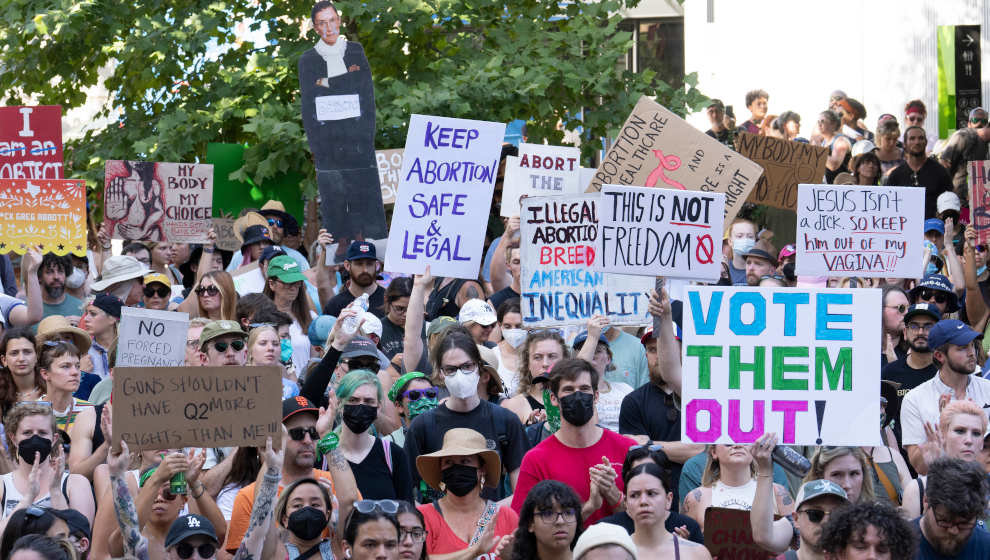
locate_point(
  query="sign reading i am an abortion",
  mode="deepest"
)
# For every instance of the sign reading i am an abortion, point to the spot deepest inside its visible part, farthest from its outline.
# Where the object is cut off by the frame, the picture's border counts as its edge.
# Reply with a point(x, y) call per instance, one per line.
point(865, 231)
point(31, 142)
point(661, 232)
point(540, 170)
point(797, 362)
point(558, 253)
point(448, 176)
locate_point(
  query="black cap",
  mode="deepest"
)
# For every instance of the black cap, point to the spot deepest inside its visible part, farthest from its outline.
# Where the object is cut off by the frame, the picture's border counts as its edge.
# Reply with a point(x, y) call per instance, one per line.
point(108, 304)
point(361, 250)
point(923, 309)
point(716, 103)
point(270, 253)
point(77, 522)
point(294, 405)
point(255, 234)
point(358, 347)
point(189, 526)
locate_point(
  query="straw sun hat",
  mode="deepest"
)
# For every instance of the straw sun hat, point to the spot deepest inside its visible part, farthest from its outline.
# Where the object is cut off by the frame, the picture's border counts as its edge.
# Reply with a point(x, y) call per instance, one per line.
point(460, 442)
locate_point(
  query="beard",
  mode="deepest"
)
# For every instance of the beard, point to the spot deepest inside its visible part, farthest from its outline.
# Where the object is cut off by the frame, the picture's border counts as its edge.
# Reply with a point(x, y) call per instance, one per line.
point(948, 545)
point(961, 367)
point(363, 280)
point(920, 345)
point(54, 291)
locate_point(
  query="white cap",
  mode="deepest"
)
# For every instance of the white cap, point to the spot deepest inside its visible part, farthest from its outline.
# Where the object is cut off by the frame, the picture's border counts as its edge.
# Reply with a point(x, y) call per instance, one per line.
point(947, 201)
point(602, 534)
point(477, 311)
point(862, 147)
point(371, 325)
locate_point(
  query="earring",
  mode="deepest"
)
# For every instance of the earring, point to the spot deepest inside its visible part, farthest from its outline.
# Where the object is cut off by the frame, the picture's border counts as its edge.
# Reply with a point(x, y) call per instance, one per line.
point(482, 480)
point(443, 486)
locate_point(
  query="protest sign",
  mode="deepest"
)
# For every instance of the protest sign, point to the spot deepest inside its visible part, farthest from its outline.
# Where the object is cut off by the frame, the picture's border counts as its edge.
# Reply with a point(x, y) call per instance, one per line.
point(31, 142)
point(226, 240)
point(540, 170)
point(558, 251)
point(389, 165)
point(656, 148)
point(979, 200)
point(864, 231)
point(151, 338)
point(445, 191)
point(173, 407)
point(798, 362)
point(154, 201)
point(661, 232)
point(729, 535)
point(785, 165)
point(50, 213)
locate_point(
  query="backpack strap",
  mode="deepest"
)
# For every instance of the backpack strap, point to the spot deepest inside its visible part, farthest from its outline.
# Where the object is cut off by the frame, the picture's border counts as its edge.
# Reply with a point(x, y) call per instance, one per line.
point(386, 444)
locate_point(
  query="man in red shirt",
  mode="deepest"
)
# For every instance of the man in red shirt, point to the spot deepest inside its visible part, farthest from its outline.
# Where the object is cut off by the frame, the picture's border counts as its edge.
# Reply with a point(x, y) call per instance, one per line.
point(580, 453)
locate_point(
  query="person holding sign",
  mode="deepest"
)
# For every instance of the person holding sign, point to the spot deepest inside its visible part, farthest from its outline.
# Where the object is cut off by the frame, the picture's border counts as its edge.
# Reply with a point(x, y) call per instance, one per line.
point(540, 353)
point(648, 502)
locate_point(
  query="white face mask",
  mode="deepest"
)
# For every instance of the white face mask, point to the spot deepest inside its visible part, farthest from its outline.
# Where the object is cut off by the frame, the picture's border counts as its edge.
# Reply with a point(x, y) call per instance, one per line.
point(76, 279)
point(462, 385)
point(515, 337)
point(742, 245)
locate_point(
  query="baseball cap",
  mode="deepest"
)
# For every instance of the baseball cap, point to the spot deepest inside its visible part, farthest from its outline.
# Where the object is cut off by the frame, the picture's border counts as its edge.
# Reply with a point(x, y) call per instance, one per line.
point(819, 487)
point(947, 201)
point(270, 252)
point(787, 251)
point(601, 534)
point(951, 331)
point(108, 304)
point(215, 329)
point(477, 311)
point(583, 336)
point(360, 346)
point(286, 269)
point(157, 277)
point(862, 147)
point(77, 522)
point(716, 103)
point(361, 250)
point(294, 405)
point(439, 324)
point(189, 526)
point(319, 329)
point(976, 110)
point(922, 309)
point(934, 224)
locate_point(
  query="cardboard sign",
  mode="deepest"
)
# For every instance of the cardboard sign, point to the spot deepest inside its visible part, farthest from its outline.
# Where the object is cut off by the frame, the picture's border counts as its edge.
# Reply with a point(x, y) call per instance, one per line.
point(389, 166)
point(797, 362)
point(31, 142)
point(661, 232)
point(441, 211)
point(337, 107)
point(860, 231)
point(559, 283)
point(785, 165)
point(153, 201)
point(50, 213)
point(979, 200)
point(151, 338)
point(656, 148)
point(168, 408)
point(540, 170)
point(226, 240)
point(728, 534)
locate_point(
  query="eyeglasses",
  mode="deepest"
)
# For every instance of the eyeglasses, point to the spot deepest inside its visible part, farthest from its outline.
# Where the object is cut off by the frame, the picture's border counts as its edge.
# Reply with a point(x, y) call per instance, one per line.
point(150, 291)
point(902, 308)
point(938, 296)
point(400, 309)
point(185, 550)
point(815, 515)
point(550, 516)
point(210, 290)
point(275, 222)
point(297, 434)
point(388, 507)
point(466, 367)
point(416, 394)
point(417, 534)
point(236, 344)
point(920, 326)
point(958, 525)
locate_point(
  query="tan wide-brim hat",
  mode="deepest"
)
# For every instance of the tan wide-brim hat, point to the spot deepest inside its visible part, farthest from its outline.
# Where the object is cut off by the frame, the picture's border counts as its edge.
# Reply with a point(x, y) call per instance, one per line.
point(459, 442)
point(249, 219)
point(52, 326)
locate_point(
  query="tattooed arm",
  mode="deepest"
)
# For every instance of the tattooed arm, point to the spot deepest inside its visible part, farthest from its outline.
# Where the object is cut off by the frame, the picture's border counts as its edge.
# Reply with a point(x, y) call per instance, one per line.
point(135, 545)
point(344, 485)
point(264, 504)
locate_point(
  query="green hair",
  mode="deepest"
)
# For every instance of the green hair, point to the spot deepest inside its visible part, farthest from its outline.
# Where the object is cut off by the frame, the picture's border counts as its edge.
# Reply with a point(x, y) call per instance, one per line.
point(354, 379)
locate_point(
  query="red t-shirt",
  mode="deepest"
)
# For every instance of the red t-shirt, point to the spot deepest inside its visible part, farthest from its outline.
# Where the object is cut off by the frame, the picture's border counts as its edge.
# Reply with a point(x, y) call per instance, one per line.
point(440, 539)
point(552, 460)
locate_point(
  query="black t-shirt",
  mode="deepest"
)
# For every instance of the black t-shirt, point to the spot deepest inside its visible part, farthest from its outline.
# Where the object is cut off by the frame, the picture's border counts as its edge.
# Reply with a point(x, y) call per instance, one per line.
point(502, 296)
point(674, 520)
point(377, 481)
point(722, 136)
point(392, 344)
point(649, 411)
point(932, 176)
point(376, 303)
point(977, 545)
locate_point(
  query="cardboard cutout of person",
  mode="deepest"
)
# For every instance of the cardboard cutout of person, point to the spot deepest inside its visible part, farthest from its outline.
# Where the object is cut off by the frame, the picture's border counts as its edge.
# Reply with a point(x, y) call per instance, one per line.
point(338, 113)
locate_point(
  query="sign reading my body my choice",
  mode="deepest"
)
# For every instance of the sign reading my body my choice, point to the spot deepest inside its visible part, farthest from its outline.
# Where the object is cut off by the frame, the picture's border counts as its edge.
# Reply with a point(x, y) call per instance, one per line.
point(445, 191)
point(798, 362)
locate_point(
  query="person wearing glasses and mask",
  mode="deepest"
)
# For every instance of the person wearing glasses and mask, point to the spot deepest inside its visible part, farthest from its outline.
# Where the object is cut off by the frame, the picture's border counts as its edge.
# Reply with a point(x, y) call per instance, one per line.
point(413, 394)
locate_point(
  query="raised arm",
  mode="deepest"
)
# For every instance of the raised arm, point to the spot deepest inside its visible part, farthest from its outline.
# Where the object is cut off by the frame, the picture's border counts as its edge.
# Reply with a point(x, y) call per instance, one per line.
point(955, 274)
point(668, 349)
point(135, 545)
point(595, 325)
point(774, 536)
point(264, 505)
point(412, 341)
point(32, 312)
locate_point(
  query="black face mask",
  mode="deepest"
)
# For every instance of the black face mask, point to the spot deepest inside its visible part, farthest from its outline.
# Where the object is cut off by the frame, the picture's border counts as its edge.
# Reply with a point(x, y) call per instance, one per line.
point(577, 408)
point(307, 523)
point(459, 479)
point(27, 448)
point(359, 417)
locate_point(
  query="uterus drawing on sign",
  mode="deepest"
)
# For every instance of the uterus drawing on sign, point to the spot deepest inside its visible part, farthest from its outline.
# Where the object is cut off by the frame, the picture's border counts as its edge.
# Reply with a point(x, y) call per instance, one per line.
point(666, 163)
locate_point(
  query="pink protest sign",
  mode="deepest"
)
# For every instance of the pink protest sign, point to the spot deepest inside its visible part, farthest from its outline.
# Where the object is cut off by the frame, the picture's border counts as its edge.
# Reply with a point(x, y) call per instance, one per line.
point(31, 142)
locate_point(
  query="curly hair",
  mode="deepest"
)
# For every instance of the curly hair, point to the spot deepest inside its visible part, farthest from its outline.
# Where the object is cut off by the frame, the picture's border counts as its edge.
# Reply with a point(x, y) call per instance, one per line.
point(534, 337)
point(12, 421)
point(542, 497)
point(848, 525)
point(958, 486)
point(825, 455)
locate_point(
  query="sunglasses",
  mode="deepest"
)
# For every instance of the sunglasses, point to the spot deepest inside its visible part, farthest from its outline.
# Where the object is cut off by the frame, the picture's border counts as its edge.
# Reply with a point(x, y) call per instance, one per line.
point(55, 343)
point(938, 296)
point(902, 308)
point(150, 291)
point(981, 248)
point(207, 290)
point(297, 434)
point(815, 515)
point(221, 347)
point(388, 507)
point(362, 364)
point(416, 394)
point(978, 121)
point(167, 495)
point(274, 222)
point(185, 550)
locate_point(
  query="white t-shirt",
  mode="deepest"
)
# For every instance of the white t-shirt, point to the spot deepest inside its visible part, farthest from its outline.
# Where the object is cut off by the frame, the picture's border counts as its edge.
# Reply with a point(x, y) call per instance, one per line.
point(510, 378)
point(920, 405)
point(609, 404)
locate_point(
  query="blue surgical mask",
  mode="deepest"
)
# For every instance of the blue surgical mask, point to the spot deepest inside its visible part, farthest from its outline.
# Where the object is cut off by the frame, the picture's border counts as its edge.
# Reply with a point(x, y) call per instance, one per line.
point(742, 245)
point(286, 350)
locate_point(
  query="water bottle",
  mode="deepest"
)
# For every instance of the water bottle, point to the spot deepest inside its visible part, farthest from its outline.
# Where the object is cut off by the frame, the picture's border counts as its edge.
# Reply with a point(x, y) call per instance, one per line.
point(791, 461)
point(177, 486)
point(351, 323)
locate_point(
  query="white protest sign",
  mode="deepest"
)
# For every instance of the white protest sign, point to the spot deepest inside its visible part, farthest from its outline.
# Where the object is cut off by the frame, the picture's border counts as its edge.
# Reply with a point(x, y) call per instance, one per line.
point(661, 232)
point(337, 107)
point(587, 175)
point(558, 251)
point(795, 361)
point(864, 231)
point(150, 338)
point(448, 175)
point(540, 170)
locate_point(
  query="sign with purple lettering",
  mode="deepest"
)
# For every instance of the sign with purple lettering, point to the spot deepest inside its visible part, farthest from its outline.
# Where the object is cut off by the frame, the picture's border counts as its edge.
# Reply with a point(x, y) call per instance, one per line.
point(865, 231)
point(540, 170)
point(795, 361)
point(445, 192)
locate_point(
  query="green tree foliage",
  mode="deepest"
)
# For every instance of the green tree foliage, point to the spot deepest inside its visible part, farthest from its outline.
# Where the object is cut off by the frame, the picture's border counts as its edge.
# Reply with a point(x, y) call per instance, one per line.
point(179, 78)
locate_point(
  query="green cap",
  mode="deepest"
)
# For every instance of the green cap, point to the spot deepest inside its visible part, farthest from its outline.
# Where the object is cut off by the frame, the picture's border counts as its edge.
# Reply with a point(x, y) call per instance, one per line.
point(439, 324)
point(215, 329)
point(286, 269)
point(393, 393)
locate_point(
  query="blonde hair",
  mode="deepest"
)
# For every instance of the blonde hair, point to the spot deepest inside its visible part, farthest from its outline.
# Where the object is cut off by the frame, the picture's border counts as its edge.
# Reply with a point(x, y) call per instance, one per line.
point(825, 455)
point(253, 339)
point(713, 471)
point(957, 407)
point(228, 295)
point(18, 413)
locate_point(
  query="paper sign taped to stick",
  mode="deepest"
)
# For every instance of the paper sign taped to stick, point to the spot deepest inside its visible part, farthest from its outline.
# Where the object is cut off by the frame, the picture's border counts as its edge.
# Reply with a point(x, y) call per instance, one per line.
point(797, 362)
point(661, 232)
point(337, 107)
point(448, 176)
point(728, 534)
point(31, 142)
point(152, 338)
point(168, 408)
point(540, 170)
point(979, 200)
point(864, 231)
point(785, 165)
point(153, 201)
point(226, 240)
point(558, 252)
point(389, 166)
point(656, 148)
point(50, 213)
